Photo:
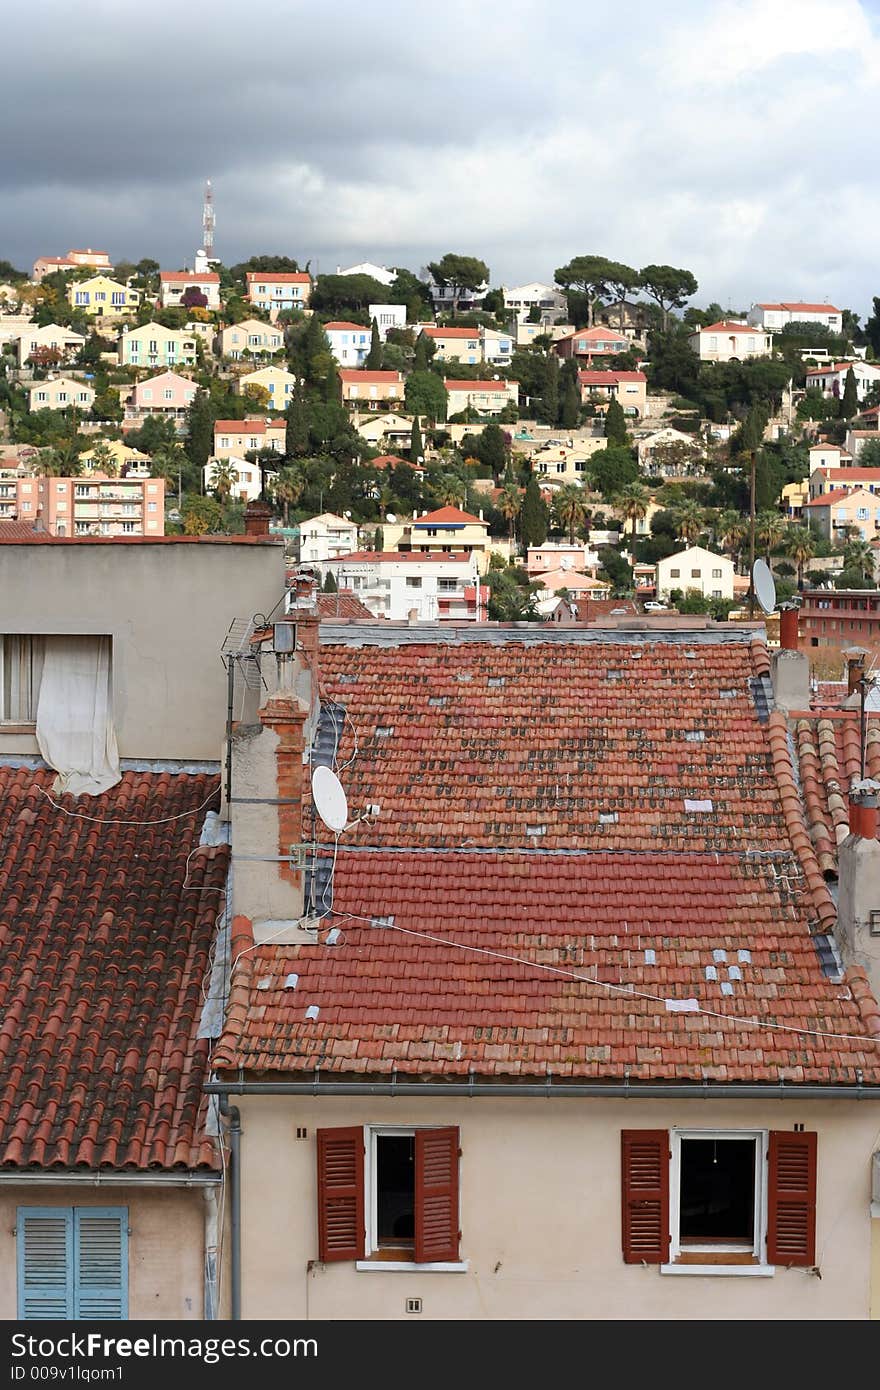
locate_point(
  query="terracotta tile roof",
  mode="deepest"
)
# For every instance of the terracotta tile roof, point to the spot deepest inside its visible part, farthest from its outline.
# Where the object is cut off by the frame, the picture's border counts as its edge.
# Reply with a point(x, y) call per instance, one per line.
point(807, 308)
point(344, 604)
point(725, 326)
point(407, 556)
point(598, 378)
point(190, 277)
point(364, 378)
point(104, 958)
point(593, 335)
point(340, 326)
point(21, 531)
point(827, 745)
point(827, 499)
point(447, 516)
point(451, 332)
point(493, 387)
point(541, 801)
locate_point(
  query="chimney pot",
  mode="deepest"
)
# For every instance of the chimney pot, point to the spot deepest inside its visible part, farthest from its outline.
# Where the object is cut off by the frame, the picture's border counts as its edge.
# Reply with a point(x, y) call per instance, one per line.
point(256, 519)
point(788, 629)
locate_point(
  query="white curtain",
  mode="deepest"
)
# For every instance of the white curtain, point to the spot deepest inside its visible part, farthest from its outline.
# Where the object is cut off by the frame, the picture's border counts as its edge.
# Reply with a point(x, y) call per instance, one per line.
point(21, 664)
point(75, 729)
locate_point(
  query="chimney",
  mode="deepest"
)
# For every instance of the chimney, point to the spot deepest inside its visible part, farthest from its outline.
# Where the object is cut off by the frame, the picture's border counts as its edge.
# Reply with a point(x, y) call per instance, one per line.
point(412, 615)
point(858, 906)
point(855, 667)
point(269, 784)
point(790, 668)
point(256, 519)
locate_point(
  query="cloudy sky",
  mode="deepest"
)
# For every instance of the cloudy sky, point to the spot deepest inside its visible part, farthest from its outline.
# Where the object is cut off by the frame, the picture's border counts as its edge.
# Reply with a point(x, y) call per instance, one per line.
point(731, 137)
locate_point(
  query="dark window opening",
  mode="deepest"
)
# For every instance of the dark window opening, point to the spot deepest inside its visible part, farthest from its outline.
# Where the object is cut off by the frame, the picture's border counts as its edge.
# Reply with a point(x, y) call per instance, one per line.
point(395, 1190)
point(717, 1191)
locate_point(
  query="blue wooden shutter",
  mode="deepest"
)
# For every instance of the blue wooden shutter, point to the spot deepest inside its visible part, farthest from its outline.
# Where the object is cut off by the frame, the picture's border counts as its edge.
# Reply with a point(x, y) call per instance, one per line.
point(44, 1237)
point(101, 1264)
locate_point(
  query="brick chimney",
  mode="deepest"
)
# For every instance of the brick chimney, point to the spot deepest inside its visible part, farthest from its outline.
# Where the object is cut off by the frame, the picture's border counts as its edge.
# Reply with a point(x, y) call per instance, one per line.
point(269, 782)
point(790, 668)
point(257, 516)
point(859, 877)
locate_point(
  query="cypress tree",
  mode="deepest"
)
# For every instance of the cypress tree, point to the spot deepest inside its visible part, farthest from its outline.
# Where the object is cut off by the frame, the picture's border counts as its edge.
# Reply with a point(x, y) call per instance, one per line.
point(296, 436)
point(374, 356)
point(415, 443)
point(330, 586)
point(615, 423)
point(200, 429)
point(549, 407)
point(850, 403)
point(534, 517)
point(421, 360)
point(570, 412)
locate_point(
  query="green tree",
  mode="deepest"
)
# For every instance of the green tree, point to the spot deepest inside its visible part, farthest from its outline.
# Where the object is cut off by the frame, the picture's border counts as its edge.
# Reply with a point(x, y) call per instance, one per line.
point(869, 454)
point(615, 423)
point(200, 417)
point(570, 508)
point(201, 515)
point(103, 459)
point(449, 490)
point(374, 356)
point(511, 600)
point(408, 289)
point(459, 273)
point(593, 277)
point(612, 469)
point(632, 502)
point(548, 409)
point(288, 488)
point(330, 586)
point(334, 294)
point(223, 478)
point(425, 349)
point(416, 451)
point(621, 280)
point(570, 410)
point(510, 505)
point(800, 546)
point(493, 449)
point(858, 556)
point(850, 402)
point(770, 527)
point(668, 286)
point(534, 517)
point(690, 520)
point(296, 433)
point(732, 529)
point(425, 394)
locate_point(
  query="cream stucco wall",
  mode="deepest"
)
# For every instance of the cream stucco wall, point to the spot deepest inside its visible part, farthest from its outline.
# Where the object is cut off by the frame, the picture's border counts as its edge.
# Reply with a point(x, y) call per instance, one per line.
point(540, 1214)
point(167, 605)
point(166, 1268)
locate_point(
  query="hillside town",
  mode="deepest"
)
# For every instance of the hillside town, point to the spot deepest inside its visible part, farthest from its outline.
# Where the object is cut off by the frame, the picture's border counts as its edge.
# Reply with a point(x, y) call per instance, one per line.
point(440, 764)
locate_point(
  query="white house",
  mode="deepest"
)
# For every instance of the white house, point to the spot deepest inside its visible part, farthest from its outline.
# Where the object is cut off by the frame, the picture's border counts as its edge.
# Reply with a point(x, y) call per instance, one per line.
point(387, 316)
point(830, 377)
point(377, 272)
point(828, 456)
point(444, 296)
point(399, 584)
point(695, 569)
point(51, 337)
point(175, 283)
point(498, 347)
point(246, 482)
point(349, 342)
point(776, 316)
point(549, 300)
point(730, 342)
point(659, 439)
point(326, 537)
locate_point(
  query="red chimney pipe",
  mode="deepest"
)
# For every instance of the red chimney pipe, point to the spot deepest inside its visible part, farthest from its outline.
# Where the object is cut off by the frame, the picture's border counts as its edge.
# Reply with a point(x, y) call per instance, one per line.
point(856, 818)
point(788, 629)
point(868, 823)
point(256, 519)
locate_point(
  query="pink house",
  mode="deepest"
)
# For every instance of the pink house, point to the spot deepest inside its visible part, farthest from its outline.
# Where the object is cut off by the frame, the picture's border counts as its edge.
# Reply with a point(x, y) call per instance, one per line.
point(588, 343)
point(90, 506)
point(167, 395)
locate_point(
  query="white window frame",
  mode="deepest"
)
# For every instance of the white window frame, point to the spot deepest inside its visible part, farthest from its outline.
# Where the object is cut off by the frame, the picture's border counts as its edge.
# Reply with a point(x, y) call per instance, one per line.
point(372, 1134)
point(761, 1139)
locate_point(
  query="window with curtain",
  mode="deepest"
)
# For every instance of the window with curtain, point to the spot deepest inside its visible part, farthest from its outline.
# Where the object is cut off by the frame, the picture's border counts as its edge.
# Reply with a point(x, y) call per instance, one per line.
point(21, 669)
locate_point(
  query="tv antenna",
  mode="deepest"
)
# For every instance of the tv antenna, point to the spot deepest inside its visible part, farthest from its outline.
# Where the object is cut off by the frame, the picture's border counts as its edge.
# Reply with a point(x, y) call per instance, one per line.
point(238, 654)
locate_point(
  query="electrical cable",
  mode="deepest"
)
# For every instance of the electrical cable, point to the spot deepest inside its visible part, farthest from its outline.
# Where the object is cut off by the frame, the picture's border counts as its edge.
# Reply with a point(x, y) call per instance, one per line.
point(109, 820)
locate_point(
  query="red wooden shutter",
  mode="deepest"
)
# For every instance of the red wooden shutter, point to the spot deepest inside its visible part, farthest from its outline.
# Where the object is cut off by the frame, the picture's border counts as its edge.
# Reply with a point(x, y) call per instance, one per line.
point(436, 1195)
point(645, 1195)
point(341, 1194)
point(791, 1199)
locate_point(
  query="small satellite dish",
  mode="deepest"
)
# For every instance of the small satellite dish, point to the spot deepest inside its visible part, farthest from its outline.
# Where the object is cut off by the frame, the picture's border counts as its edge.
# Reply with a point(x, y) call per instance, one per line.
point(565, 562)
point(764, 586)
point(390, 517)
point(329, 798)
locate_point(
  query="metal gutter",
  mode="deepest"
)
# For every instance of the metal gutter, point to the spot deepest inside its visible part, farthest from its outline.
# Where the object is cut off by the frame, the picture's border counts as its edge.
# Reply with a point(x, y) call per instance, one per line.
point(233, 1115)
point(563, 1090)
point(13, 1178)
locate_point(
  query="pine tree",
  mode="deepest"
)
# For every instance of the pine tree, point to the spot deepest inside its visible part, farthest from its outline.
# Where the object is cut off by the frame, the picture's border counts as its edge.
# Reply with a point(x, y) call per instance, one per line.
point(415, 443)
point(615, 423)
point(850, 402)
point(534, 517)
point(296, 436)
point(374, 356)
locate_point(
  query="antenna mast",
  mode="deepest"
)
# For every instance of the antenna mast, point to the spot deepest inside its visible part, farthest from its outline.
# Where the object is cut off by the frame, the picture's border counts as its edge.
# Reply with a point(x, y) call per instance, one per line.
point(208, 221)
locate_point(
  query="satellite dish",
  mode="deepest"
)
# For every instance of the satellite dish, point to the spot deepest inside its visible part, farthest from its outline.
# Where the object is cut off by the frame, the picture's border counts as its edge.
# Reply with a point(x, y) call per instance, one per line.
point(329, 798)
point(565, 562)
point(764, 586)
point(390, 517)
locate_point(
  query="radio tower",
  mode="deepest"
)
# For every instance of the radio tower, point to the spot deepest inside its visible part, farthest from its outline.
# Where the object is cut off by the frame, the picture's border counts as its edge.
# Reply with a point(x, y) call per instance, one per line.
point(205, 257)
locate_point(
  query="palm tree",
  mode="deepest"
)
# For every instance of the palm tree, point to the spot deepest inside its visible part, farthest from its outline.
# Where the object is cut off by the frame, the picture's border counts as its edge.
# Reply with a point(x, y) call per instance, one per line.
point(733, 528)
point(49, 464)
point(224, 476)
point(104, 460)
point(858, 555)
point(288, 488)
point(61, 461)
point(450, 490)
point(632, 503)
point(770, 528)
point(510, 505)
point(800, 546)
point(570, 508)
point(167, 462)
point(689, 519)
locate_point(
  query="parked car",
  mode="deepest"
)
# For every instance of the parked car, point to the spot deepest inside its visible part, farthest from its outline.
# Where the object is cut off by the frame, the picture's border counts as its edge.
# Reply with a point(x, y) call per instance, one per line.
point(653, 606)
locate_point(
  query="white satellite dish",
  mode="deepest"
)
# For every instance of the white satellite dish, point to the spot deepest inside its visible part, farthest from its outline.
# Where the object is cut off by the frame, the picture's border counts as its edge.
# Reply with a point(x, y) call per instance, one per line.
point(565, 562)
point(764, 585)
point(329, 797)
point(390, 517)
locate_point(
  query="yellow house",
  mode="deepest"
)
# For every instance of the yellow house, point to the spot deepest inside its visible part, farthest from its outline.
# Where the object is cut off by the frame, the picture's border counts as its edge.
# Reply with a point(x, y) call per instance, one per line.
point(278, 383)
point(121, 453)
point(152, 345)
point(102, 296)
